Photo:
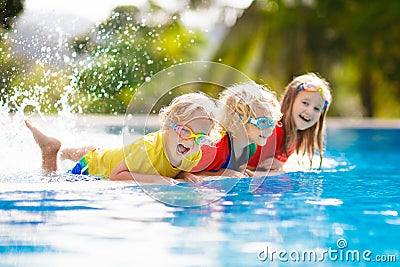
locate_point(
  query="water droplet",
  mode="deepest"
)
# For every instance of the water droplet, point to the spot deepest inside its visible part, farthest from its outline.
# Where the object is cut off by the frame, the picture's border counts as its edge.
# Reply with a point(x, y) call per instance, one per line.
point(147, 79)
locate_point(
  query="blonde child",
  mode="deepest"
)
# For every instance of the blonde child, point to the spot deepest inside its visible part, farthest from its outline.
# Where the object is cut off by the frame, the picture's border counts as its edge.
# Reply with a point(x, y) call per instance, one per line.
point(154, 158)
point(304, 106)
point(248, 114)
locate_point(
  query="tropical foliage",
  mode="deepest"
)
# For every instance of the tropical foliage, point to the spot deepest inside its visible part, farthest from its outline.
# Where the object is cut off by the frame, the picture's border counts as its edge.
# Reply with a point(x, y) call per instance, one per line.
point(353, 44)
point(122, 52)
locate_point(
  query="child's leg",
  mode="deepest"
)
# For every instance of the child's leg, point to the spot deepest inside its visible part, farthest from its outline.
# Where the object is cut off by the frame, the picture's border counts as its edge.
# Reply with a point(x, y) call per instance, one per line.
point(75, 154)
point(48, 145)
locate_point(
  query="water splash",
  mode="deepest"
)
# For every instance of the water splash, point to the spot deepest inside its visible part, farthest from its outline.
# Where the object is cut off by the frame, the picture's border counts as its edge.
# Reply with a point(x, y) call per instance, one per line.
point(47, 70)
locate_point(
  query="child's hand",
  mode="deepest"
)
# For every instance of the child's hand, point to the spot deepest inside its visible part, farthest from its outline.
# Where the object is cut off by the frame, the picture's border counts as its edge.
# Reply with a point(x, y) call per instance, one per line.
point(249, 173)
point(171, 181)
point(271, 164)
point(234, 174)
point(189, 177)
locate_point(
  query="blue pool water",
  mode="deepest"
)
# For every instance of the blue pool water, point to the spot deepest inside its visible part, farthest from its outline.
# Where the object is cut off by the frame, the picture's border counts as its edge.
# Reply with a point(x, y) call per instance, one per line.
point(331, 217)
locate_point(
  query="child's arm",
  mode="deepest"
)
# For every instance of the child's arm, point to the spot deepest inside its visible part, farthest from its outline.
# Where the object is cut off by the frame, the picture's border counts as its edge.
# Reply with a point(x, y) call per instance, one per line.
point(223, 172)
point(122, 173)
point(197, 177)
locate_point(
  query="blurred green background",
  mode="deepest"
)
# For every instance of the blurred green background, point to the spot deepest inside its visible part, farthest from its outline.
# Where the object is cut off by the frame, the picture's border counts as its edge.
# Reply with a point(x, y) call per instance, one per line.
point(353, 44)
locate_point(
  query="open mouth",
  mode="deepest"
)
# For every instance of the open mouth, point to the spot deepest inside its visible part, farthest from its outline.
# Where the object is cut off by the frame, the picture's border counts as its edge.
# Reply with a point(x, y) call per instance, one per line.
point(182, 150)
point(306, 119)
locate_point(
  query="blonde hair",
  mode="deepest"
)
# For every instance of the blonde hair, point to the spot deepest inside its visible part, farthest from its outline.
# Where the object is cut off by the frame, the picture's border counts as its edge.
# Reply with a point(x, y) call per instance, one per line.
point(241, 100)
point(306, 141)
point(184, 106)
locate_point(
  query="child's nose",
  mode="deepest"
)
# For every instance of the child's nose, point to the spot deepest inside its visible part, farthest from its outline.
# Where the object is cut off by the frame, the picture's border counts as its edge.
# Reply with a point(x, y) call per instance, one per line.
point(309, 110)
point(189, 142)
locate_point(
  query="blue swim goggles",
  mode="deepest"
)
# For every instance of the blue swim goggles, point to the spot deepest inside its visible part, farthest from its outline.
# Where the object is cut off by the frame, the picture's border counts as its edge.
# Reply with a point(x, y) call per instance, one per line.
point(262, 123)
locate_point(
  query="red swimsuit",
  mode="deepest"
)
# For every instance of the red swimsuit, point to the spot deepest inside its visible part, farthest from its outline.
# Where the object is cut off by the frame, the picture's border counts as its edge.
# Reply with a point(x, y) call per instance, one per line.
point(273, 148)
point(221, 156)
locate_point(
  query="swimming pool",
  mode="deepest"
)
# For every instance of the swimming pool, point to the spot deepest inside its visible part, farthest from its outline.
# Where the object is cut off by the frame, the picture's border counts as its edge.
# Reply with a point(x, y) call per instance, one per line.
point(346, 214)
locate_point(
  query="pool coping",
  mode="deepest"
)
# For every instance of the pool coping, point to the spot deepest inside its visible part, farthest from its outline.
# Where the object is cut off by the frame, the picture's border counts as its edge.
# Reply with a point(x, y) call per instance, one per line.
point(363, 123)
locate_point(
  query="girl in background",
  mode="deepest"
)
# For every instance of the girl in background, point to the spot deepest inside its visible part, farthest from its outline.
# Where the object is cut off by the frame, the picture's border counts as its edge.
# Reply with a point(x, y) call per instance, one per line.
point(304, 106)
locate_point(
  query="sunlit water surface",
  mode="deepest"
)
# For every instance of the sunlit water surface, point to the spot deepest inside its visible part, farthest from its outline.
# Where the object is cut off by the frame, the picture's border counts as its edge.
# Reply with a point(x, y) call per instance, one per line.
point(351, 205)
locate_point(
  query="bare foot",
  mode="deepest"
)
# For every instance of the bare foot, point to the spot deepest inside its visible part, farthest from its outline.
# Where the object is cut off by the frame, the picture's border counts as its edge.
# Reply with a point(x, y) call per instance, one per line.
point(49, 145)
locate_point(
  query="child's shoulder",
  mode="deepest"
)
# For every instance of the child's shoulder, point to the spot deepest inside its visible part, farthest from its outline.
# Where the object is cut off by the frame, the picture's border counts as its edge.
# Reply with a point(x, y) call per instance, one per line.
point(218, 146)
point(150, 139)
point(223, 140)
point(154, 135)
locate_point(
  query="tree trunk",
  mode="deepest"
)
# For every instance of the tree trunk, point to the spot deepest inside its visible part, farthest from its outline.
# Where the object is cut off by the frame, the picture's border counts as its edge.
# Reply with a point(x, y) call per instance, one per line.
point(366, 91)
